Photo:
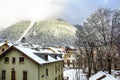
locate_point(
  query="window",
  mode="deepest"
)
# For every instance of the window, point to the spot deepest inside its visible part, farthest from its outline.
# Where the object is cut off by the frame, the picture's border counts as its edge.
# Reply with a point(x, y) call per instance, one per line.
point(62, 76)
point(3, 49)
point(6, 59)
point(56, 78)
point(13, 60)
point(60, 56)
point(42, 76)
point(68, 62)
point(55, 56)
point(24, 75)
point(58, 67)
point(21, 59)
point(55, 69)
point(46, 72)
point(46, 57)
point(59, 77)
point(13, 75)
point(61, 66)
point(3, 74)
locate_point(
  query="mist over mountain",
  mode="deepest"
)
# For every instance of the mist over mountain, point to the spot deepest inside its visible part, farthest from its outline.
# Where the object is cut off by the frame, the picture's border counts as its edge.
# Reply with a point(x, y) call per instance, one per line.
point(51, 32)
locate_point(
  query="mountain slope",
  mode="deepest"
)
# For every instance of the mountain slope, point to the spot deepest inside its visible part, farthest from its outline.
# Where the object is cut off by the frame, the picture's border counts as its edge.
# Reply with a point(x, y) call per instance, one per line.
point(54, 32)
point(13, 32)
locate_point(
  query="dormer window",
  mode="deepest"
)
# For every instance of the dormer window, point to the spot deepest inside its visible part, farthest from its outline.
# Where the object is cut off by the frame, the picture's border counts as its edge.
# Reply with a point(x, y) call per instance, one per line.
point(55, 56)
point(60, 56)
point(46, 57)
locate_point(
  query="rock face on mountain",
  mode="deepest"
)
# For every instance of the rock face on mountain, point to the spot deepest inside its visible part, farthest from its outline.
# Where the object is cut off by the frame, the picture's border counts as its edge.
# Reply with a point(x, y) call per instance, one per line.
point(53, 32)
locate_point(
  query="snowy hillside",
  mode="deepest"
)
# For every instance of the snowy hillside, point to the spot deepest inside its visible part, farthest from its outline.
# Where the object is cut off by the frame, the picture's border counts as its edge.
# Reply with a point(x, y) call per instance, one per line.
point(53, 32)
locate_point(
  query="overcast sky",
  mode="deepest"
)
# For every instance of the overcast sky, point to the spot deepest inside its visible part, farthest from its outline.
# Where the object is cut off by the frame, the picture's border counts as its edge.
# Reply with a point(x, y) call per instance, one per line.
point(72, 11)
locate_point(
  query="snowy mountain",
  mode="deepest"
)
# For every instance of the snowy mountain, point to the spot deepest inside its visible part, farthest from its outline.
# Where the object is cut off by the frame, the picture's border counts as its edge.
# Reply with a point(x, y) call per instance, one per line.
point(53, 32)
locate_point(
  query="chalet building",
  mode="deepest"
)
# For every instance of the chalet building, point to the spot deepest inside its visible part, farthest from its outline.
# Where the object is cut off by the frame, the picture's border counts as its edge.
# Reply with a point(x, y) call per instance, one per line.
point(18, 63)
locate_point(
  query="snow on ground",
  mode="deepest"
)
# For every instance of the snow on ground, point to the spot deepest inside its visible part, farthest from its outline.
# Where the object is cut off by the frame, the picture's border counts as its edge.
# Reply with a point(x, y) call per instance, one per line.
point(74, 74)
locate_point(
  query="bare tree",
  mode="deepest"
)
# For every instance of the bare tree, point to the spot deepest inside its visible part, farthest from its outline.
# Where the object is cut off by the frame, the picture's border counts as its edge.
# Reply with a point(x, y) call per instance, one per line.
point(86, 46)
point(100, 32)
point(104, 24)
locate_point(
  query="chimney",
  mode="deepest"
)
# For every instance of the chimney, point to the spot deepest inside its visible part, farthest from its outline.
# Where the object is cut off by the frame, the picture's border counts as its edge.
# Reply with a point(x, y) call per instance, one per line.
point(6, 42)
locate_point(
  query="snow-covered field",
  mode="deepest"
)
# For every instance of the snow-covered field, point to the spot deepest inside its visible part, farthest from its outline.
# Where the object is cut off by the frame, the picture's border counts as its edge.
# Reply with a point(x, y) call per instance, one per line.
point(74, 74)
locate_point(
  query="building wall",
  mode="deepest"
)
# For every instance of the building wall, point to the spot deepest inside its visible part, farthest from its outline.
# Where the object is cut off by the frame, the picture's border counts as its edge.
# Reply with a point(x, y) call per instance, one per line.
point(70, 59)
point(34, 70)
point(55, 70)
point(28, 65)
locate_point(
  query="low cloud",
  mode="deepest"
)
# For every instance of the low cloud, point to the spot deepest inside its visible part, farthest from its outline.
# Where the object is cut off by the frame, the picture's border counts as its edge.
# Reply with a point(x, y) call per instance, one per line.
point(73, 11)
point(16, 10)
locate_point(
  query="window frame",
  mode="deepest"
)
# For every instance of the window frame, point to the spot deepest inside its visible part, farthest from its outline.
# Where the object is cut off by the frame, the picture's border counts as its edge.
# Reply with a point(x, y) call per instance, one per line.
point(47, 72)
point(3, 77)
point(13, 60)
point(13, 75)
point(55, 68)
point(25, 75)
point(46, 57)
point(21, 60)
point(6, 60)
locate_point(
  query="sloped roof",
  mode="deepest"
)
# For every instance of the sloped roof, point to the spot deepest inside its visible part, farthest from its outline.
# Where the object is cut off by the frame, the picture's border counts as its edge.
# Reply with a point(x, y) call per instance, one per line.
point(30, 53)
point(57, 50)
point(9, 44)
point(100, 74)
point(2, 44)
point(45, 51)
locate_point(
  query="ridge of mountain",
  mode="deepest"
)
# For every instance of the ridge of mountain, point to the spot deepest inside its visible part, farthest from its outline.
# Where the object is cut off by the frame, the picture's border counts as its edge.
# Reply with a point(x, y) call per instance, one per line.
point(53, 32)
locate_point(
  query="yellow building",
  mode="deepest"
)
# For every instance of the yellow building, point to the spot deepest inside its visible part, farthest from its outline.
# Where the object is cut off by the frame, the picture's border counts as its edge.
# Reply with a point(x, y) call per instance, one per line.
point(70, 57)
point(18, 63)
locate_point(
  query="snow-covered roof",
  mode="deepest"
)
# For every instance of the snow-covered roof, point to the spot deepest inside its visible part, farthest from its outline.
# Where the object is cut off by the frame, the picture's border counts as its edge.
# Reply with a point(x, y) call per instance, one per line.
point(31, 54)
point(2, 44)
point(57, 50)
point(101, 74)
point(9, 44)
point(72, 47)
point(45, 51)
